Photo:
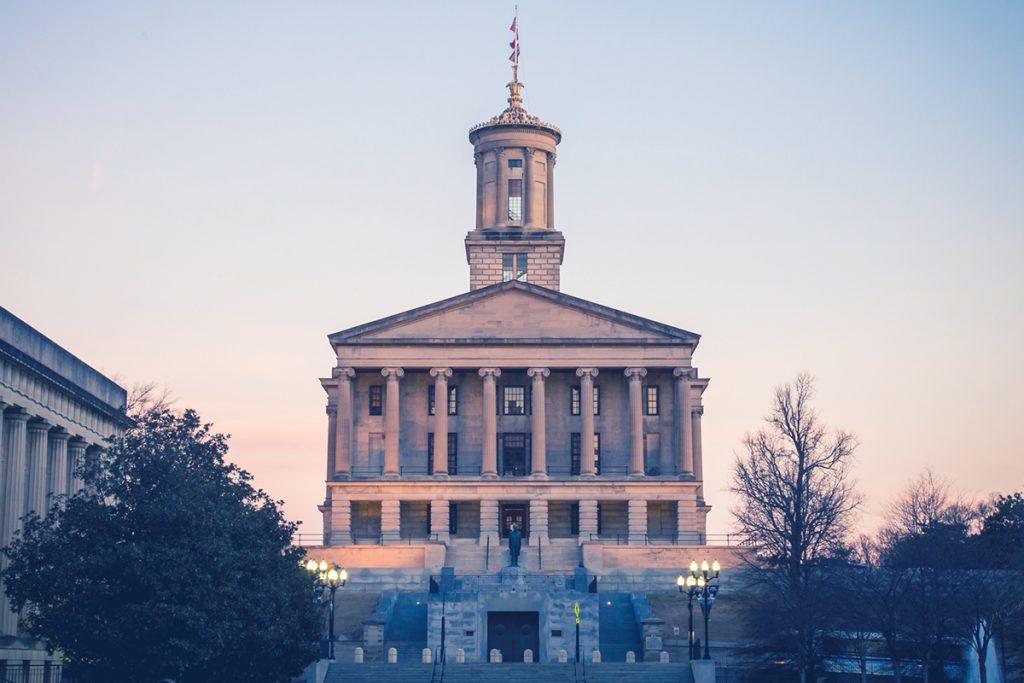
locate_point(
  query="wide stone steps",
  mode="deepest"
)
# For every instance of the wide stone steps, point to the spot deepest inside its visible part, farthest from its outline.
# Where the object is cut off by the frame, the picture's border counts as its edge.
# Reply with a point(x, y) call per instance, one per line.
point(377, 672)
point(469, 557)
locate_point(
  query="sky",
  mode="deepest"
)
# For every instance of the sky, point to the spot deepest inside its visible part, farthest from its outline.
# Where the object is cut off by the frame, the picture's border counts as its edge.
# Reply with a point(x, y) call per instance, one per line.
point(197, 194)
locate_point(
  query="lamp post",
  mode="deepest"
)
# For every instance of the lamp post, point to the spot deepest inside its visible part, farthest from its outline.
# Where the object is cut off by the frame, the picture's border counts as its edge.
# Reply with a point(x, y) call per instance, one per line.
point(329, 578)
point(704, 576)
point(690, 584)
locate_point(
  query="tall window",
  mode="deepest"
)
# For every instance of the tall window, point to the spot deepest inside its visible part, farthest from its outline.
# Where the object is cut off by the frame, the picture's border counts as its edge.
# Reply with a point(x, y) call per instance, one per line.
point(515, 200)
point(513, 400)
point(651, 400)
point(513, 267)
point(575, 448)
point(575, 398)
point(453, 400)
point(376, 400)
point(453, 452)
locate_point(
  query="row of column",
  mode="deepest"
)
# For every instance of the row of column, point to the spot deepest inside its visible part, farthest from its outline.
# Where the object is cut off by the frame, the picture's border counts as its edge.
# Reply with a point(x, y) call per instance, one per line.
point(688, 523)
point(686, 421)
point(37, 463)
point(501, 186)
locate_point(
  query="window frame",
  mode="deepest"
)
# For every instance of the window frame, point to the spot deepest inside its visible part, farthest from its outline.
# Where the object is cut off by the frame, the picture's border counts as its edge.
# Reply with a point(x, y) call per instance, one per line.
point(647, 400)
point(505, 389)
point(375, 400)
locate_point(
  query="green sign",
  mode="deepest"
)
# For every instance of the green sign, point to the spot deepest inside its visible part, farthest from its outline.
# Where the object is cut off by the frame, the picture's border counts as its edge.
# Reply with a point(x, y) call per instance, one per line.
point(576, 611)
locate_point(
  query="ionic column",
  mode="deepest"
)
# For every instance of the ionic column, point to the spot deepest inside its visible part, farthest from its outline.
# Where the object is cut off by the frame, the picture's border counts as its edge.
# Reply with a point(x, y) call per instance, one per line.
point(341, 521)
point(478, 159)
point(441, 376)
point(14, 445)
point(587, 376)
point(489, 469)
point(489, 524)
point(332, 432)
point(550, 188)
point(636, 421)
point(637, 522)
point(698, 455)
point(76, 458)
point(439, 511)
point(343, 429)
point(539, 449)
point(57, 465)
point(391, 423)
point(36, 454)
point(684, 436)
point(390, 521)
point(538, 522)
point(502, 189)
point(588, 521)
point(528, 187)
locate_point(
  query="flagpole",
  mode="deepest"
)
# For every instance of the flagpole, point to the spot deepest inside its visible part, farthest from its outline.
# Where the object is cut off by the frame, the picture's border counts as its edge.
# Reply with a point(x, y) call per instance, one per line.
point(515, 64)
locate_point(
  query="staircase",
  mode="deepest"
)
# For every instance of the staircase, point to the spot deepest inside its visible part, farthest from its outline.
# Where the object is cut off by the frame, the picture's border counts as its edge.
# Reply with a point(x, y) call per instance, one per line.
point(509, 673)
point(619, 630)
point(407, 630)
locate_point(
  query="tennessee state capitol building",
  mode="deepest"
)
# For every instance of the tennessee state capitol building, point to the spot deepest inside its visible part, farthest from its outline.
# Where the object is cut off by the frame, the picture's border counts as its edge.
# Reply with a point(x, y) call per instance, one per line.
point(513, 403)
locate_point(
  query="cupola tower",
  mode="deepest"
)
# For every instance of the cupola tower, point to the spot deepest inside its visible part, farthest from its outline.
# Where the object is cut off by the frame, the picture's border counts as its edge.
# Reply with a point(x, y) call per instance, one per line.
point(515, 236)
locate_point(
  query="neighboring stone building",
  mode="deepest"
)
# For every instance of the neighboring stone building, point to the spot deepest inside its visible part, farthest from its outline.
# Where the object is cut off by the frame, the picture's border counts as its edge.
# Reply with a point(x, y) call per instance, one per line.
point(55, 411)
point(514, 404)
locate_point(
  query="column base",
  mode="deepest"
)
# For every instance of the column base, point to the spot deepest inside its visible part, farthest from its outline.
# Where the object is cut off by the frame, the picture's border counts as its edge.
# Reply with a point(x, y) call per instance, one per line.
point(440, 475)
point(539, 475)
point(686, 476)
point(391, 476)
point(489, 476)
point(637, 475)
point(587, 475)
point(341, 476)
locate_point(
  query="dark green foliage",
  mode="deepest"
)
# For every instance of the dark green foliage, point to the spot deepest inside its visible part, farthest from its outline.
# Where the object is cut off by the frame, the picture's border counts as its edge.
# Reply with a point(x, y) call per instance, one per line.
point(169, 564)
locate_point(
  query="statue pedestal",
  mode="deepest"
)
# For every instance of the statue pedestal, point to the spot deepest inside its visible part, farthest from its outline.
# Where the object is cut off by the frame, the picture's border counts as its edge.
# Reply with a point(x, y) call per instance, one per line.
point(512, 578)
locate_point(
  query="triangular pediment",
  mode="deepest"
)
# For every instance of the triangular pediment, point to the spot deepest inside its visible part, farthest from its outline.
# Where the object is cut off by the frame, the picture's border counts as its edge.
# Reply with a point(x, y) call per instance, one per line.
point(514, 312)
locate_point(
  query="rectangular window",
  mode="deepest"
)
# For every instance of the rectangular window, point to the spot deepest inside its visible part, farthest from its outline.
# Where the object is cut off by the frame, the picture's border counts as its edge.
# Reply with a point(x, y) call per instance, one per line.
point(575, 397)
point(377, 399)
point(430, 452)
point(453, 519)
point(575, 450)
point(515, 200)
point(453, 452)
point(574, 519)
point(651, 400)
point(515, 163)
point(513, 400)
point(513, 267)
point(453, 400)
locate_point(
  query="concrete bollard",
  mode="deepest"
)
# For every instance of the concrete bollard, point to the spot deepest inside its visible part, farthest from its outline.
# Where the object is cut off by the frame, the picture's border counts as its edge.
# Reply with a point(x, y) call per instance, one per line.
point(392, 655)
point(460, 656)
point(563, 656)
point(426, 655)
point(630, 657)
point(663, 658)
point(495, 656)
point(359, 655)
point(595, 657)
point(528, 656)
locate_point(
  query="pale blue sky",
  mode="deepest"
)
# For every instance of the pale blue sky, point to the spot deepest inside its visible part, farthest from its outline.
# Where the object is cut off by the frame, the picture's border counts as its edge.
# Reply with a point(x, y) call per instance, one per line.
point(198, 195)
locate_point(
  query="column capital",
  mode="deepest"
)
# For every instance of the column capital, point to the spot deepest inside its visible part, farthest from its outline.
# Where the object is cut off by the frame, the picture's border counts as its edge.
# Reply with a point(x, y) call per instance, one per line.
point(499, 152)
point(490, 372)
point(683, 373)
point(551, 158)
point(343, 373)
point(697, 410)
point(530, 151)
point(78, 442)
point(39, 426)
point(59, 434)
point(332, 409)
point(636, 374)
point(393, 374)
point(441, 372)
point(587, 372)
point(477, 157)
point(538, 374)
point(19, 415)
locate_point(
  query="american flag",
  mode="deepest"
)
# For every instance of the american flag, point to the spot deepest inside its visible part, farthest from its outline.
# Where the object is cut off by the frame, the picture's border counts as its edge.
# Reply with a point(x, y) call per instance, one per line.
point(514, 57)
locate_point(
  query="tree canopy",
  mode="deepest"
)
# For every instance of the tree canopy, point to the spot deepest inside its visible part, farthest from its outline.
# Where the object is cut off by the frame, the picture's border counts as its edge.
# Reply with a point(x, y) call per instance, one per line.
point(169, 564)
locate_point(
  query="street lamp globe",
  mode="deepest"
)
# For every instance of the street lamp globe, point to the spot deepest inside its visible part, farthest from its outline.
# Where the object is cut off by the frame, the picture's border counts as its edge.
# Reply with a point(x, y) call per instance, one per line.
point(311, 566)
point(680, 582)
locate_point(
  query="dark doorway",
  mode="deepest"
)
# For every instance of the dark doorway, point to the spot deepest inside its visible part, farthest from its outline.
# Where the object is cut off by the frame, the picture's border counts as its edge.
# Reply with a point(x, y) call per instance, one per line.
point(518, 514)
point(513, 633)
point(514, 460)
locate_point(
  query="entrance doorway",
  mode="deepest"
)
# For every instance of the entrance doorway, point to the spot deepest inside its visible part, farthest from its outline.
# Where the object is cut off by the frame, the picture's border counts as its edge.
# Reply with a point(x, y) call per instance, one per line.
point(515, 513)
point(513, 633)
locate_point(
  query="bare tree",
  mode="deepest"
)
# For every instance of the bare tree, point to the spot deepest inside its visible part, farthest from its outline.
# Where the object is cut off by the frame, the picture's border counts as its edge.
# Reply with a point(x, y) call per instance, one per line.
point(145, 397)
point(797, 503)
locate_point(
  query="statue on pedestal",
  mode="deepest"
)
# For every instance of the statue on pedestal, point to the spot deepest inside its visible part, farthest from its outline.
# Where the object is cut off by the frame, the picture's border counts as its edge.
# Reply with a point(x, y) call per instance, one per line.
point(515, 545)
